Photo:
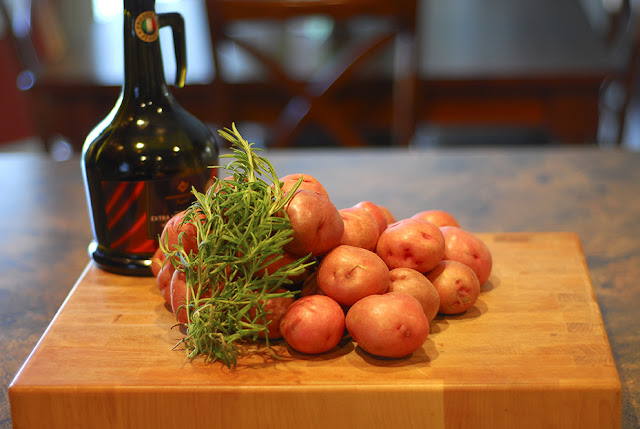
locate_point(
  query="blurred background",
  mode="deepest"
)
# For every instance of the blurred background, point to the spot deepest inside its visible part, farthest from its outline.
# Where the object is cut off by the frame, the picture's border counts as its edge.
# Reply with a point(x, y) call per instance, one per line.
point(421, 73)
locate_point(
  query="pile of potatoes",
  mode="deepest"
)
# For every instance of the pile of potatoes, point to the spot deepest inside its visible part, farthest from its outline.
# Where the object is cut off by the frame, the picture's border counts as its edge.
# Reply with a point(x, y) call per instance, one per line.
point(380, 280)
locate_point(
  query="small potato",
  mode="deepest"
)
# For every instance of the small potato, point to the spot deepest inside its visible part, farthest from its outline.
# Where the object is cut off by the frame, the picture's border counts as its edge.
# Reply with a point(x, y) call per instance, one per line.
point(348, 274)
point(164, 276)
point(465, 247)
point(156, 261)
point(388, 215)
point(360, 228)
point(275, 309)
point(316, 223)
point(411, 243)
point(375, 211)
point(178, 288)
point(216, 187)
point(310, 285)
point(313, 324)
point(308, 182)
point(437, 217)
point(177, 295)
point(457, 286)
point(416, 284)
point(392, 325)
point(172, 230)
point(164, 281)
point(285, 259)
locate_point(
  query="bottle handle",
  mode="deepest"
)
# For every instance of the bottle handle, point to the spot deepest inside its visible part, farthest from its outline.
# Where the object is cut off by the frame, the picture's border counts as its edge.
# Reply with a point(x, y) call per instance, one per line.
point(176, 22)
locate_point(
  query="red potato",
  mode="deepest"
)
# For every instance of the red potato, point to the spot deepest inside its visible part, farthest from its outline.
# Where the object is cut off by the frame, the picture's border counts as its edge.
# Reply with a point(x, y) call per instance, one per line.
point(285, 259)
point(164, 281)
point(310, 285)
point(308, 182)
point(348, 274)
point(167, 293)
point(156, 261)
point(275, 309)
point(178, 288)
point(411, 243)
point(437, 217)
point(313, 324)
point(360, 228)
point(375, 211)
point(164, 276)
point(416, 284)
point(178, 295)
point(457, 286)
point(316, 223)
point(465, 247)
point(216, 185)
point(172, 230)
point(388, 215)
point(392, 325)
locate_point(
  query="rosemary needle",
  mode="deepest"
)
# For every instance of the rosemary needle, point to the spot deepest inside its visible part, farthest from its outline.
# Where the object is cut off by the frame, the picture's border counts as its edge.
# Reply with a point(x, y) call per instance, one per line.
point(241, 228)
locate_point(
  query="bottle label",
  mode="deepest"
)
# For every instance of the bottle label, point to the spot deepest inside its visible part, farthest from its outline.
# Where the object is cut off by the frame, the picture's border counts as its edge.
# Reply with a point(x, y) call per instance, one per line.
point(146, 26)
point(137, 211)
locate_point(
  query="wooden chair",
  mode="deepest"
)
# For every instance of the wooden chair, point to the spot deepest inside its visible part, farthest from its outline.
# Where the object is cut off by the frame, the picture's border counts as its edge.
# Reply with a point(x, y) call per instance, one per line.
point(15, 111)
point(316, 99)
point(528, 74)
point(37, 41)
point(623, 38)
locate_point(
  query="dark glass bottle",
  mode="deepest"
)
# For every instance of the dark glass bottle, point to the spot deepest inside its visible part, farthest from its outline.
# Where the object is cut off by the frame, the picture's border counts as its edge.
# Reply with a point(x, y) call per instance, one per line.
point(141, 161)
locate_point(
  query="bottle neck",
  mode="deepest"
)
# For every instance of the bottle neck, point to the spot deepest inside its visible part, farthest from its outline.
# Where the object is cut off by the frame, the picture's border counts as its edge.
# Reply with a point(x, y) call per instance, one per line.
point(143, 67)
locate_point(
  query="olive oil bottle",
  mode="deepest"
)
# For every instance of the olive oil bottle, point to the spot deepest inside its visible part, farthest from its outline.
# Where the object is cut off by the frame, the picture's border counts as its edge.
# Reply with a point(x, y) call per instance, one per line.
point(141, 162)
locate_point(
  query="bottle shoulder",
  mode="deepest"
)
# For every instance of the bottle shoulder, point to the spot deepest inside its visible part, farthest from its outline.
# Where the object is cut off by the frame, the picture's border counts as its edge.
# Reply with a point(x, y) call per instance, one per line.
point(149, 139)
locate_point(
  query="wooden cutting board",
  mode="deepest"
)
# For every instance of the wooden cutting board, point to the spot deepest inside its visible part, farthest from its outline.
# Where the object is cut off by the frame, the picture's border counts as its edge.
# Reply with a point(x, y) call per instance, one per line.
point(531, 353)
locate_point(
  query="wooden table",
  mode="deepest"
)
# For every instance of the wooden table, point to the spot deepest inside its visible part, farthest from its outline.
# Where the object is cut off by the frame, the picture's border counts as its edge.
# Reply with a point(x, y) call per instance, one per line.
point(45, 228)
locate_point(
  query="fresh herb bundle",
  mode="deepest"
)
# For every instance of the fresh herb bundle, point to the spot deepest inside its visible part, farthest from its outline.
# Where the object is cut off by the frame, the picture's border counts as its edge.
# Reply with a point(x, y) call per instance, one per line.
point(241, 228)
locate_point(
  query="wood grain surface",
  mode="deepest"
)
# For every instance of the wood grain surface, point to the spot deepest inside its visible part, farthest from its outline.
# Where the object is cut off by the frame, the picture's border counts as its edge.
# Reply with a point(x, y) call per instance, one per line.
point(532, 352)
point(44, 227)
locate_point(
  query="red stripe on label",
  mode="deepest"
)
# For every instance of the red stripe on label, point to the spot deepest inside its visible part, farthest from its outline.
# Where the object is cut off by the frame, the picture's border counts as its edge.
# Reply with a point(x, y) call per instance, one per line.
point(126, 205)
point(111, 203)
point(132, 232)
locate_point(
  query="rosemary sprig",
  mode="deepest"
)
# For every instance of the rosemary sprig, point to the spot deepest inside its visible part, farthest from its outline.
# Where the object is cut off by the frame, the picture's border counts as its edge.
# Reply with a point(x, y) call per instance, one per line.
point(241, 228)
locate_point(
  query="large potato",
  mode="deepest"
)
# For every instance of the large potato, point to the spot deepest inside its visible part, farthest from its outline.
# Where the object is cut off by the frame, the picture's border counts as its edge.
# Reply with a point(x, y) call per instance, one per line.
point(457, 285)
point(308, 182)
point(377, 213)
point(313, 324)
point(360, 228)
point(392, 325)
point(437, 217)
point(316, 223)
point(348, 274)
point(463, 246)
point(416, 284)
point(411, 243)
